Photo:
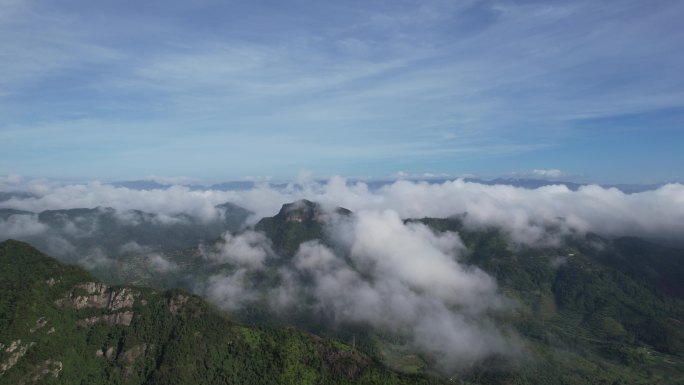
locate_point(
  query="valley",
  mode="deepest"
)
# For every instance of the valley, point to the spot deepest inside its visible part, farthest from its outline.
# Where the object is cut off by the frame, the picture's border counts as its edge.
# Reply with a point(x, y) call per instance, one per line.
point(580, 309)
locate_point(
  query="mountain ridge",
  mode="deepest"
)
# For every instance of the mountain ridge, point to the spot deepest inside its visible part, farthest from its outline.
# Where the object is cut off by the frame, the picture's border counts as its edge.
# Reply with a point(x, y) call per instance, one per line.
point(59, 325)
point(597, 302)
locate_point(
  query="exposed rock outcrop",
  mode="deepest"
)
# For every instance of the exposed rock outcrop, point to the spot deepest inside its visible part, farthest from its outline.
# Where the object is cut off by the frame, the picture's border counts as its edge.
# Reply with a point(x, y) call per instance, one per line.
point(40, 323)
point(49, 368)
point(13, 346)
point(109, 353)
point(129, 356)
point(122, 318)
point(126, 358)
point(17, 350)
point(177, 302)
point(98, 296)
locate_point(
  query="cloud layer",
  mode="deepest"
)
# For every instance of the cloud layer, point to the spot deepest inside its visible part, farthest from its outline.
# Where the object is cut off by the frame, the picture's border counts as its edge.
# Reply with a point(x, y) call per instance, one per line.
point(396, 278)
point(524, 213)
point(375, 269)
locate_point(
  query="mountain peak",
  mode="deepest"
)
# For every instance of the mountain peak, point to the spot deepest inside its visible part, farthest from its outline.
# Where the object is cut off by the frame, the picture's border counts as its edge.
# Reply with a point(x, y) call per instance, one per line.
point(300, 211)
point(297, 222)
point(305, 210)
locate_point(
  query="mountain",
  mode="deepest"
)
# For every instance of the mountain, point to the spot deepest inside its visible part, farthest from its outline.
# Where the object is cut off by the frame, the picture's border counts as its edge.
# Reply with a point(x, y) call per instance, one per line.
point(591, 307)
point(536, 183)
point(235, 185)
point(527, 183)
point(296, 223)
point(7, 195)
point(241, 185)
point(7, 213)
point(60, 325)
point(141, 185)
point(585, 309)
point(77, 233)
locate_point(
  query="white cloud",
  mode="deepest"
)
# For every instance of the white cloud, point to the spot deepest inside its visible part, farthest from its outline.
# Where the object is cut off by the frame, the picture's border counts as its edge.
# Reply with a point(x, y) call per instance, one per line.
point(553, 173)
point(58, 246)
point(401, 278)
point(382, 271)
point(133, 247)
point(96, 258)
point(10, 180)
point(160, 264)
point(20, 226)
point(523, 213)
point(393, 276)
point(248, 249)
point(422, 260)
point(174, 200)
point(230, 291)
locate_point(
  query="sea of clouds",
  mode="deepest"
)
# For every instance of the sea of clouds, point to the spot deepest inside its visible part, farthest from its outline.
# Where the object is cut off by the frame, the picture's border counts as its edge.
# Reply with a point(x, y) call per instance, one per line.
point(523, 213)
point(376, 269)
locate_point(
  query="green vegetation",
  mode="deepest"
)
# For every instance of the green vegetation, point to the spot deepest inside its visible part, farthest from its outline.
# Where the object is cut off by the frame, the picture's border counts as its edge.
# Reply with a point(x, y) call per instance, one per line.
point(171, 338)
point(296, 223)
point(592, 310)
point(77, 233)
point(588, 310)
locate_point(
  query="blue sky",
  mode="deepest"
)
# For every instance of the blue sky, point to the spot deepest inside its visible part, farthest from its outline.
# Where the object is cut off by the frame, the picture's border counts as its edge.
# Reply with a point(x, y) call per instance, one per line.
point(219, 90)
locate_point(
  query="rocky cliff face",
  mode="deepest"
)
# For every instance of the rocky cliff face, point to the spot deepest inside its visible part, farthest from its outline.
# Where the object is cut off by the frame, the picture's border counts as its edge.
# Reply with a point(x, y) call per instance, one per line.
point(122, 318)
point(96, 295)
point(99, 296)
point(125, 358)
point(17, 350)
point(86, 295)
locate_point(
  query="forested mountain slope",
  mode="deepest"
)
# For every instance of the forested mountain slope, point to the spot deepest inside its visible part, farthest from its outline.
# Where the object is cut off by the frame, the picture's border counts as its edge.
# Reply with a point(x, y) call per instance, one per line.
point(59, 325)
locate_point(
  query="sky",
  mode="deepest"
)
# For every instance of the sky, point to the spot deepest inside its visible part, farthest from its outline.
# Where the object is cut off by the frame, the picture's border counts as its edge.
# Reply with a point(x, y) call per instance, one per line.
point(223, 90)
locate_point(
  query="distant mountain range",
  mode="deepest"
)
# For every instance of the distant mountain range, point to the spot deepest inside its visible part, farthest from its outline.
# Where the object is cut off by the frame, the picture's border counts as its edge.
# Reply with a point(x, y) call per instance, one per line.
point(103, 231)
point(527, 183)
point(7, 195)
point(223, 186)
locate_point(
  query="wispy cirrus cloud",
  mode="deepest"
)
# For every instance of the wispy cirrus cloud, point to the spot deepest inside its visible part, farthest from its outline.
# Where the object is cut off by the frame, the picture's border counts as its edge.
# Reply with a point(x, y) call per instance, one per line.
point(429, 83)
